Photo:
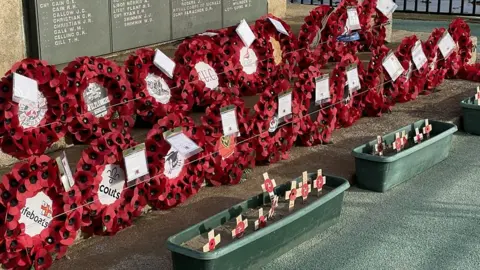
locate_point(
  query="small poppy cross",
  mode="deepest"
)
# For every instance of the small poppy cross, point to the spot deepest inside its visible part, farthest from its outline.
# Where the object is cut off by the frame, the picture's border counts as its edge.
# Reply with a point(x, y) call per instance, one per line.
point(477, 96)
point(305, 187)
point(213, 241)
point(292, 195)
point(240, 229)
point(268, 185)
point(319, 182)
point(418, 136)
point(404, 139)
point(398, 143)
point(379, 146)
point(271, 212)
point(261, 222)
point(427, 129)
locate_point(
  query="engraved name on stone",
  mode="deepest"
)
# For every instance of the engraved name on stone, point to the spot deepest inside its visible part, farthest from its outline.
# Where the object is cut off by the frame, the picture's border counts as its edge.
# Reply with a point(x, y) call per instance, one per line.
point(132, 12)
point(195, 16)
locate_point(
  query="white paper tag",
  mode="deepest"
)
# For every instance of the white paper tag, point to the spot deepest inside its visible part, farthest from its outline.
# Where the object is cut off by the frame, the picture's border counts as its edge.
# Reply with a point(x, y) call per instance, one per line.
point(37, 214)
point(135, 162)
point(393, 66)
point(387, 7)
point(285, 104)
point(174, 162)
point(97, 100)
point(245, 33)
point(208, 34)
point(65, 172)
point(185, 146)
point(164, 63)
point(24, 88)
point(207, 74)
point(446, 45)
point(248, 59)
point(418, 56)
point(352, 79)
point(409, 72)
point(158, 88)
point(279, 26)
point(31, 114)
point(322, 89)
point(111, 186)
point(353, 21)
point(229, 120)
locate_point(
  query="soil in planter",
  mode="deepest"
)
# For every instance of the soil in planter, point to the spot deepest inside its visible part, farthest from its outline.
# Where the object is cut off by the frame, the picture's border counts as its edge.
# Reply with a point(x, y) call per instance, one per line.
point(226, 229)
point(389, 151)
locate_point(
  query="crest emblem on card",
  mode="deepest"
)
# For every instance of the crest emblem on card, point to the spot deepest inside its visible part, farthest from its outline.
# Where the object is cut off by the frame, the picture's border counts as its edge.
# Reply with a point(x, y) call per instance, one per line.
point(46, 210)
point(226, 146)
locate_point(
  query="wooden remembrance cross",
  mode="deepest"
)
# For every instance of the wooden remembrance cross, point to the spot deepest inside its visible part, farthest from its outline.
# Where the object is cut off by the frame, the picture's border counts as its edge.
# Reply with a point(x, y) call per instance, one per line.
point(427, 129)
point(240, 229)
point(418, 136)
point(261, 222)
point(305, 187)
point(319, 182)
point(213, 241)
point(397, 144)
point(292, 195)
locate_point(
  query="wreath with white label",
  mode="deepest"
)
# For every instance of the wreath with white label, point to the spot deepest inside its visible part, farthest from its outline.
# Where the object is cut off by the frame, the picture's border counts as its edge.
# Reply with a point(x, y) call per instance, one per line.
point(470, 72)
point(110, 205)
point(154, 92)
point(398, 90)
point(38, 218)
point(175, 177)
point(373, 32)
point(460, 32)
point(375, 101)
point(230, 155)
point(437, 69)
point(99, 98)
point(29, 127)
point(406, 83)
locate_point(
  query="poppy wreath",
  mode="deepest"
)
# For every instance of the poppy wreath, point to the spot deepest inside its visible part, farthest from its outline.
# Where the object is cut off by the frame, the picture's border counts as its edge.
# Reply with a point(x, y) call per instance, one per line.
point(312, 37)
point(317, 122)
point(96, 98)
point(349, 105)
point(399, 90)
point(460, 32)
point(437, 68)
point(110, 205)
point(375, 100)
point(228, 156)
point(33, 194)
point(199, 66)
point(174, 178)
point(154, 92)
point(470, 73)
point(29, 128)
point(373, 33)
point(273, 138)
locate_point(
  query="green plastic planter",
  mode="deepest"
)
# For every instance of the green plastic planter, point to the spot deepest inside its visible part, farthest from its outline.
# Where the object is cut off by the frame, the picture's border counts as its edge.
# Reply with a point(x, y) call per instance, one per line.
point(380, 173)
point(260, 247)
point(471, 116)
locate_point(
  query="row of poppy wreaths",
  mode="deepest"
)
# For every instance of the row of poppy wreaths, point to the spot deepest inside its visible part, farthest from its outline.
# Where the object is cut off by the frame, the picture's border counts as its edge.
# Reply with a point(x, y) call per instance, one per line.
point(101, 203)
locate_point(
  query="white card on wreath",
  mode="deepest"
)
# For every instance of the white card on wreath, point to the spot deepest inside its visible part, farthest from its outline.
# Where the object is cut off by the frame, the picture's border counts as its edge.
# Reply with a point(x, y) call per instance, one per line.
point(164, 63)
point(393, 66)
point(245, 33)
point(229, 120)
point(353, 79)
point(353, 21)
point(285, 104)
point(322, 89)
point(24, 88)
point(279, 26)
point(183, 144)
point(446, 45)
point(387, 7)
point(418, 55)
point(135, 160)
point(66, 175)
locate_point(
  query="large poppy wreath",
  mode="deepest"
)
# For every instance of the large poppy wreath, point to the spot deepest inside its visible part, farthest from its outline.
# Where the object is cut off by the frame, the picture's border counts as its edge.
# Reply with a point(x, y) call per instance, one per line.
point(199, 64)
point(373, 23)
point(96, 98)
point(349, 103)
point(470, 72)
point(274, 137)
point(437, 65)
point(399, 90)
point(154, 92)
point(27, 127)
point(174, 178)
point(228, 156)
point(39, 220)
point(460, 32)
point(318, 121)
point(110, 205)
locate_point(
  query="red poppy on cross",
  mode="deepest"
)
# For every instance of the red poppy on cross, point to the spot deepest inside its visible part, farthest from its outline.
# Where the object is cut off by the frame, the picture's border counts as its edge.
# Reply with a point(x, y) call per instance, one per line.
point(418, 136)
point(427, 129)
point(398, 143)
point(305, 187)
point(268, 185)
point(213, 241)
point(380, 146)
point(319, 182)
point(477, 95)
point(240, 229)
point(404, 139)
point(261, 222)
point(292, 195)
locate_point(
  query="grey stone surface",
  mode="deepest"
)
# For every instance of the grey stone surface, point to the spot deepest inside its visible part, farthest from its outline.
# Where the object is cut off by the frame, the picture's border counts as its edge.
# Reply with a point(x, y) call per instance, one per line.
point(236, 10)
point(195, 16)
point(70, 28)
point(139, 23)
point(12, 37)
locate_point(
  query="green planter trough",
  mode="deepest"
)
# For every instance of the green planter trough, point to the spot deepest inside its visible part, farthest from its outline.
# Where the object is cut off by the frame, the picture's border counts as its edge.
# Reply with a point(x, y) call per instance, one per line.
point(260, 247)
point(381, 173)
point(471, 116)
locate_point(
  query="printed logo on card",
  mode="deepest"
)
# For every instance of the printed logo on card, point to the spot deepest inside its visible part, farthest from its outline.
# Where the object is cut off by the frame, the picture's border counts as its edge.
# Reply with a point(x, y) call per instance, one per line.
point(273, 124)
point(207, 74)
point(158, 88)
point(96, 99)
point(37, 214)
point(30, 114)
point(248, 59)
point(113, 181)
point(226, 146)
point(174, 162)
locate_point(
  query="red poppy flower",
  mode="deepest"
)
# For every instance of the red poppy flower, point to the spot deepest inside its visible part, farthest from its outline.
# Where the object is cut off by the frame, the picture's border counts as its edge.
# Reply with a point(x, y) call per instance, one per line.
point(373, 22)
point(470, 72)
point(460, 32)
point(436, 67)
point(103, 98)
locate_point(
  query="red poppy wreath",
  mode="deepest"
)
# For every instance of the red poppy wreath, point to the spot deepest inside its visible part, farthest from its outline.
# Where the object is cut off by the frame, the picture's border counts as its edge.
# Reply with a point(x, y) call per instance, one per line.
point(39, 220)
point(99, 98)
point(398, 90)
point(470, 72)
point(110, 205)
point(318, 119)
point(460, 32)
point(30, 127)
point(175, 177)
point(199, 64)
point(154, 92)
point(437, 65)
point(228, 156)
point(373, 24)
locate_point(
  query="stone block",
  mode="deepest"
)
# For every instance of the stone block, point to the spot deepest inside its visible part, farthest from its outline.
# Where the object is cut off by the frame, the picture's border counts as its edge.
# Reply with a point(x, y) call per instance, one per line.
point(12, 37)
point(236, 10)
point(278, 8)
point(192, 17)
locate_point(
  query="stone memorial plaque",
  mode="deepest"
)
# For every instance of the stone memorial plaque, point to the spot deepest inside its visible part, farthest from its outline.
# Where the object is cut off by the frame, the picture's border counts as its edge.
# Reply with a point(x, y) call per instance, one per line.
point(64, 29)
point(236, 10)
point(195, 16)
point(137, 23)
